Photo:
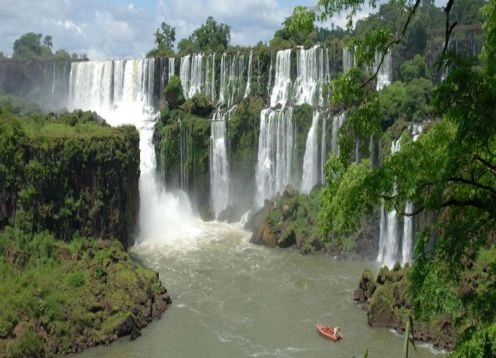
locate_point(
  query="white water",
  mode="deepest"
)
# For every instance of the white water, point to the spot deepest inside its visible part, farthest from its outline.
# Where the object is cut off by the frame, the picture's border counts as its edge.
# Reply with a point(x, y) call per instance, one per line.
point(337, 122)
point(323, 150)
point(348, 59)
point(384, 74)
point(275, 167)
point(275, 153)
point(311, 72)
point(232, 86)
point(394, 247)
point(248, 81)
point(172, 67)
point(310, 160)
point(219, 164)
point(282, 81)
point(121, 92)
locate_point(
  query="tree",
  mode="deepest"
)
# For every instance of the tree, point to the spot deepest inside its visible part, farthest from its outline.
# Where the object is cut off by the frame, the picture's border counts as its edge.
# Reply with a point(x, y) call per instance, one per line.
point(211, 36)
point(28, 46)
point(165, 36)
point(62, 55)
point(449, 173)
point(302, 20)
point(47, 41)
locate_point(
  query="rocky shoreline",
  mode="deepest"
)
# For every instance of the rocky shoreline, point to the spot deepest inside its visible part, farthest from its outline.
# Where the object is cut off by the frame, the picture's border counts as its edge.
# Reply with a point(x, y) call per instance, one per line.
point(387, 302)
point(96, 295)
point(291, 220)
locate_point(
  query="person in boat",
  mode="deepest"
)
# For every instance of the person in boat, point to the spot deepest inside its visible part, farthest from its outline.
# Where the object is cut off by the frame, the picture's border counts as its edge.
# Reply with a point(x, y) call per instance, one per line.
point(337, 331)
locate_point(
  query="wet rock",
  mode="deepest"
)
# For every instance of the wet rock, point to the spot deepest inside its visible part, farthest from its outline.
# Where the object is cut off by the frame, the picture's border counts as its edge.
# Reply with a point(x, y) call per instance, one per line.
point(127, 327)
point(289, 191)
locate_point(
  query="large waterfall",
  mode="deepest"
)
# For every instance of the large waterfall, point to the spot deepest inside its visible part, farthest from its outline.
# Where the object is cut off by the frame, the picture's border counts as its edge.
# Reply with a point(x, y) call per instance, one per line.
point(276, 166)
point(219, 164)
point(311, 170)
point(197, 76)
point(122, 93)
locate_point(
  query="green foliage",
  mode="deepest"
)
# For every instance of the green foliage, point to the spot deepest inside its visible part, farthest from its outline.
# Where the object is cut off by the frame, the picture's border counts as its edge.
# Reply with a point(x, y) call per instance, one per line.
point(29, 46)
point(78, 295)
point(302, 20)
point(28, 345)
point(173, 93)
point(346, 198)
point(165, 36)
point(211, 36)
point(182, 142)
point(47, 170)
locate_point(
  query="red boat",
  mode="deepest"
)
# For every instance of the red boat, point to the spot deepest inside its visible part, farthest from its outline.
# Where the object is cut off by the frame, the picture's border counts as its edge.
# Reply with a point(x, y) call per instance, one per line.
point(328, 332)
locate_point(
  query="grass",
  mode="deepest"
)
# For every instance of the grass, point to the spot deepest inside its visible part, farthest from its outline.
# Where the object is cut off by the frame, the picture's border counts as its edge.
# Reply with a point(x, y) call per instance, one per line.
point(79, 291)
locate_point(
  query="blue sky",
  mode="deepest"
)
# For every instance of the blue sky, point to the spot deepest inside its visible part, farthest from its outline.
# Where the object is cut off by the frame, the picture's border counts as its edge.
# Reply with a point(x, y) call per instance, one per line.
point(124, 28)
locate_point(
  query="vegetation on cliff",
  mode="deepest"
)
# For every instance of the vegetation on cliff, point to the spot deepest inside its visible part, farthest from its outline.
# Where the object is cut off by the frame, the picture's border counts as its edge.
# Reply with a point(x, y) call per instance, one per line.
point(62, 297)
point(68, 205)
point(67, 173)
point(448, 172)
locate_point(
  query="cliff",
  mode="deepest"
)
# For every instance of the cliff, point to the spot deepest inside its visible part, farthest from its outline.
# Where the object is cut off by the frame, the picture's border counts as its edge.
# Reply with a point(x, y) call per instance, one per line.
point(69, 173)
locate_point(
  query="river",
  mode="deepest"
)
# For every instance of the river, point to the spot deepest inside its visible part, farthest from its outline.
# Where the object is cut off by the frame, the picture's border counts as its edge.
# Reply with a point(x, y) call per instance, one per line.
point(234, 299)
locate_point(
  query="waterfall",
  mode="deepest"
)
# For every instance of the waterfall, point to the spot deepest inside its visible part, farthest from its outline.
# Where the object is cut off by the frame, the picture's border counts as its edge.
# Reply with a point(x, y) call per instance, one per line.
point(232, 88)
point(407, 244)
point(384, 74)
point(311, 72)
point(323, 151)
point(390, 238)
point(248, 81)
point(219, 164)
point(275, 152)
point(122, 93)
point(277, 139)
point(310, 160)
point(348, 59)
point(337, 122)
point(172, 68)
point(282, 81)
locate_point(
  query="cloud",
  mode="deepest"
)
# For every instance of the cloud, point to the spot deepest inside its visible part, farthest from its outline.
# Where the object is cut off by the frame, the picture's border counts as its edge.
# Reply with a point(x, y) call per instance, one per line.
point(124, 28)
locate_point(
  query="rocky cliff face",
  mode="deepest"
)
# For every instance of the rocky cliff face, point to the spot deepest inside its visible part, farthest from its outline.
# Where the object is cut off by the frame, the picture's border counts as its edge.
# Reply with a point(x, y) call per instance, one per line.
point(69, 173)
point(388, 304)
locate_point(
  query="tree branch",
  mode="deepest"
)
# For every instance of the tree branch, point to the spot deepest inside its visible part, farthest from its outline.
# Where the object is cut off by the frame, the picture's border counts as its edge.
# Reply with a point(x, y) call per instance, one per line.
point(395, 41)
point(448, 30)
point(472, 182)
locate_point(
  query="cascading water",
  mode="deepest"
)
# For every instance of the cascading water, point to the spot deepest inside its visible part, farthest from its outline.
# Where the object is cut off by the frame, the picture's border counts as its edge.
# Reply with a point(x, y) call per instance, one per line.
point(197, 74)
point(172, 68)
point(219, 164)
point(348, 59)
point(122, 93)
point(275, 153)
point(248, 81)
point(310, 161)
point(384, 74)
point(337, 122)
point(275, 167)
point(390, 238)
point(282, 81)
point(232, 86)
point(311, 73)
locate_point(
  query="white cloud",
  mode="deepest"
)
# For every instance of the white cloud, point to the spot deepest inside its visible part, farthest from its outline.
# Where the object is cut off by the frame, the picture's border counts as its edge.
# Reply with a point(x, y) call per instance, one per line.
point(123, 29)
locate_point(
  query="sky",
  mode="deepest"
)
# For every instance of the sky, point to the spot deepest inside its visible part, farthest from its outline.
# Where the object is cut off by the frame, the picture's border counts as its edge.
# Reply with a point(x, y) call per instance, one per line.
point(104, 29)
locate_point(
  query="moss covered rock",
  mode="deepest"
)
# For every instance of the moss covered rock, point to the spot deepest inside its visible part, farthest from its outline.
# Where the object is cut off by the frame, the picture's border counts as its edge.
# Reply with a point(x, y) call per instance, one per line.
point(67, 173)
point(65, 297)
point(388, 304)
